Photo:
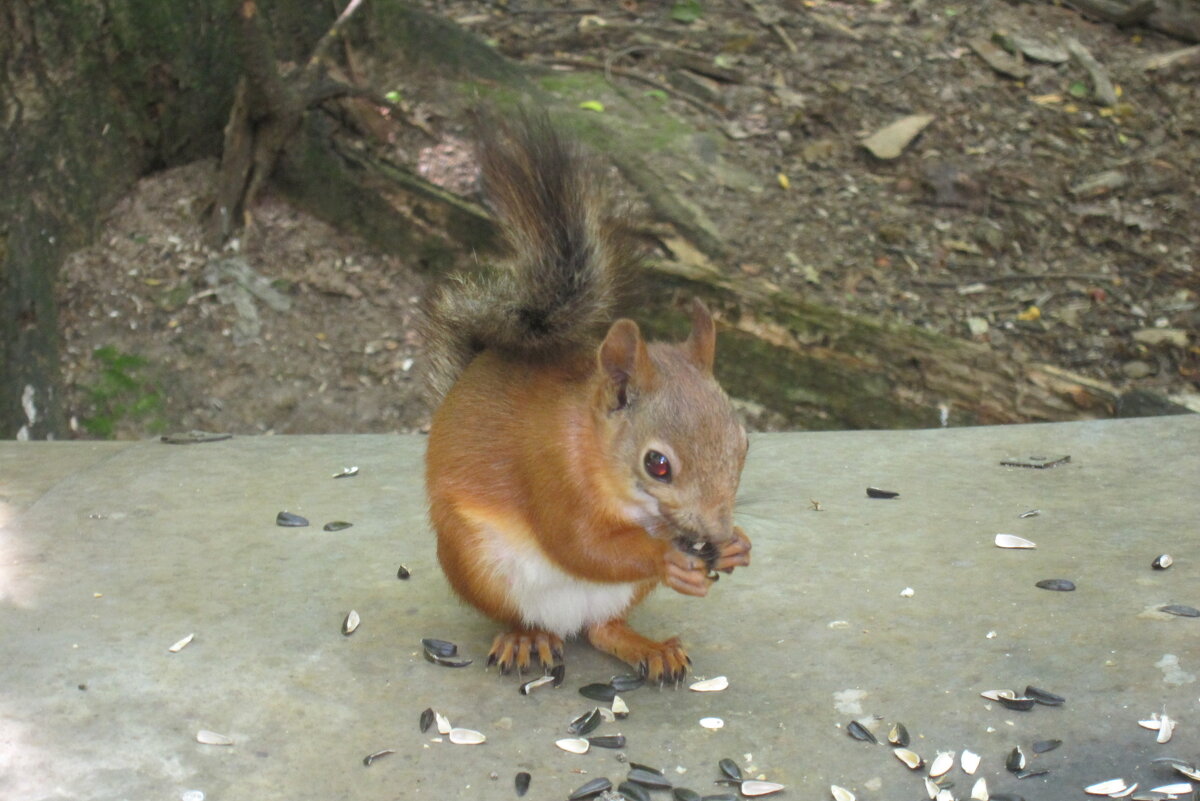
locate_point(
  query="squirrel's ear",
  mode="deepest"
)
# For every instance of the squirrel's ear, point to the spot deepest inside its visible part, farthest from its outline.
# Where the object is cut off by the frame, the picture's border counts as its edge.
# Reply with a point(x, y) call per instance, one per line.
point(625, 363)
point(701, 344)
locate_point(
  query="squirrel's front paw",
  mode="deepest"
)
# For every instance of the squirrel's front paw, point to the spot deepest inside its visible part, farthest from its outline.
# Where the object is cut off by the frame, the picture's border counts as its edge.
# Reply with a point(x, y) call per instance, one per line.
point(686, 573)
point(735, 553)
point(518, 648)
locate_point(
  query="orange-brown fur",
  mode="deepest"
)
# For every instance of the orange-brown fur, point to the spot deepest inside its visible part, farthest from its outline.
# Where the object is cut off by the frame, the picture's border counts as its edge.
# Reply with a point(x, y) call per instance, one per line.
point(535, 464)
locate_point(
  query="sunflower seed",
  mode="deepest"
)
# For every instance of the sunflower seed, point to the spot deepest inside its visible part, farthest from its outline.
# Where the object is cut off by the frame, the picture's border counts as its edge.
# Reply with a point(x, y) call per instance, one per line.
point(1018, 704)
point(969, 760)
point(910, 758)
point(1165, 729)
point(289, 520)
point(608, 741)
point(369, 758)
point(585, 723)
point(466, 737)
point(755, 787)
point(633, 792)
point(898, 735)
point(590, 788)
point(179, 646)
point(1162, 561)
point(439, 647)
point(1013, 541)
point(1180, 610)
point(541, 681)
point(1057, 585)
point(337, 525)
point(346, 472)
point(446, 661)
point(573, 745)
point(730, 769)
point(625, 683)
point(1181, 788)
point(522, 783)
point(713, 685)
point(426, 720)
point(712, 723)
point(653, 779)
point(598, 692)
point(840, 793)
point(206, 737)
point(350, 623)
point(941, 763)
point(875, 492)
point(1106, 787)
point(1045, 746)
point(1044, 697)
point(860, 732)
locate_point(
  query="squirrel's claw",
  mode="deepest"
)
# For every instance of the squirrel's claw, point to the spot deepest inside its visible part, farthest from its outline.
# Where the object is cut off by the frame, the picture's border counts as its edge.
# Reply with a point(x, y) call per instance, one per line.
point(686, 573)
point(735, 553)
point(522, 648)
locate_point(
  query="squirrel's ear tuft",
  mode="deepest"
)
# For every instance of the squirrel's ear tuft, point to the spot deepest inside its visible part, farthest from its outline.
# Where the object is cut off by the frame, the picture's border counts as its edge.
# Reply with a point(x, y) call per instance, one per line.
point(701, 344)
point(625, 363)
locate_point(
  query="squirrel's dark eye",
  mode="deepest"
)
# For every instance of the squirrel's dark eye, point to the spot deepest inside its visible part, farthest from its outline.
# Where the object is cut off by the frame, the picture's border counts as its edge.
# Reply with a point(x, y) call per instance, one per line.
point(657, 465)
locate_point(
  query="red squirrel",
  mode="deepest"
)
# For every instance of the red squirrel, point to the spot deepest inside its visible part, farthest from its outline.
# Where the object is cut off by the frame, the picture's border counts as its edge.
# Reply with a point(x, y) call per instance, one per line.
point(569, 470)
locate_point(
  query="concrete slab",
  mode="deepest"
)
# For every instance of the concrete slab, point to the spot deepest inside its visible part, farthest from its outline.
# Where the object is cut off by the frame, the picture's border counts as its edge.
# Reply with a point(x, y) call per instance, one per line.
point(111, 553)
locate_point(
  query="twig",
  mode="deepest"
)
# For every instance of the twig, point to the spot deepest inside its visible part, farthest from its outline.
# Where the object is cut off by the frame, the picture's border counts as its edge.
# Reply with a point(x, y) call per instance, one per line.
point(1101, 83)
point(1117, 13)
point(1014, 279)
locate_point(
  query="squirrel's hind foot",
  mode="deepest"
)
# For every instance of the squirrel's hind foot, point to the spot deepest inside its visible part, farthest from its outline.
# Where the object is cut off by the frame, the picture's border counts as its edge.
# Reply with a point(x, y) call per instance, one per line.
point(521, 647)
point(661, 662)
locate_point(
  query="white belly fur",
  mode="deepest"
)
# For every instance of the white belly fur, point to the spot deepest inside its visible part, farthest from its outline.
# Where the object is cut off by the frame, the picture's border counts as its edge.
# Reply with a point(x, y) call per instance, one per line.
point(548, 597)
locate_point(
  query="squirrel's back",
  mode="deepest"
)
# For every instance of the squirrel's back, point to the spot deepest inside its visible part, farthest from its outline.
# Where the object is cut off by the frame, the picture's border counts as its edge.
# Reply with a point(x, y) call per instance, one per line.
point(558, 289)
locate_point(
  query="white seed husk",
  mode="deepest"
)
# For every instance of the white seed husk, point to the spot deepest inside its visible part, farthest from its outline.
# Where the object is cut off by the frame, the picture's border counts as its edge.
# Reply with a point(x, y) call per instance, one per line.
point(466, 737)
point(979, 791)
point(619, 707)
point(969, 761)
point(607, 715)
point(573, 745)
point(712, 723)
point(1166, 729)
point(996, 695)
point(941, 763)
point(944, 794)
point(443, 723)
point(1182, 788)
point(1128, 791)
point(351, 623)
point(1107, 787)
point(754, 787)
point(911, 759)
point(713, 685)
point(1013, 541)
point(179, 646)
point(206, 737)
point(1153, 723)
point(841, 793)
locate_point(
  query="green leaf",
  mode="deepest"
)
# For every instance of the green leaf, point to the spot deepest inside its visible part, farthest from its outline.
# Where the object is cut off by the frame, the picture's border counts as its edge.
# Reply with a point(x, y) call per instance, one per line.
point(1078, 89)
point(686, 11)
point(657, 94)
point(592, 105)
point(392, 96)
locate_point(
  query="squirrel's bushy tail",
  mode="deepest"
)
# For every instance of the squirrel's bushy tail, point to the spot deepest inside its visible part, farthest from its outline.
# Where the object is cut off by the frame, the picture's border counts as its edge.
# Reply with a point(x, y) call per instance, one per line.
point(569, 257)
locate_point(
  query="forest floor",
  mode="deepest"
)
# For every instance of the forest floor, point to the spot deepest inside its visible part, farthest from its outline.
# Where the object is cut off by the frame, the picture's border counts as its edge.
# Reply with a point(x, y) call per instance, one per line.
point(1027, 215)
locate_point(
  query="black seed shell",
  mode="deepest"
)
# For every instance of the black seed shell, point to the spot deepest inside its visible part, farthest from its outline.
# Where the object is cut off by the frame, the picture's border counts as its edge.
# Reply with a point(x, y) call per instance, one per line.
point(402, 572)
point(426, 720)
point(633, 791)
point(730, 769)
point(289, 520)
point(439, 647)
point(337, 525)
point(598, 692)
point(590, 788)
point(1044, 697)
point(608, 741)
point(1180, 610)
point(1057, 585)
point(585, 723)
point(1045, 746)
point(522, 783)
point(860, 732)
point(652, 779)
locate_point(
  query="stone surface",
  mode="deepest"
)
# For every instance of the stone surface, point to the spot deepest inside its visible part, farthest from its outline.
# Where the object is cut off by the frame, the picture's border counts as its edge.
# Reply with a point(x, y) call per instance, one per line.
point(110, 553)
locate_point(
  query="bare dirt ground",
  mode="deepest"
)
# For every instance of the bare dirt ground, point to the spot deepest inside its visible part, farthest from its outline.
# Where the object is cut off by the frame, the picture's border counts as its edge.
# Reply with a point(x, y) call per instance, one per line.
point(1027, 215)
